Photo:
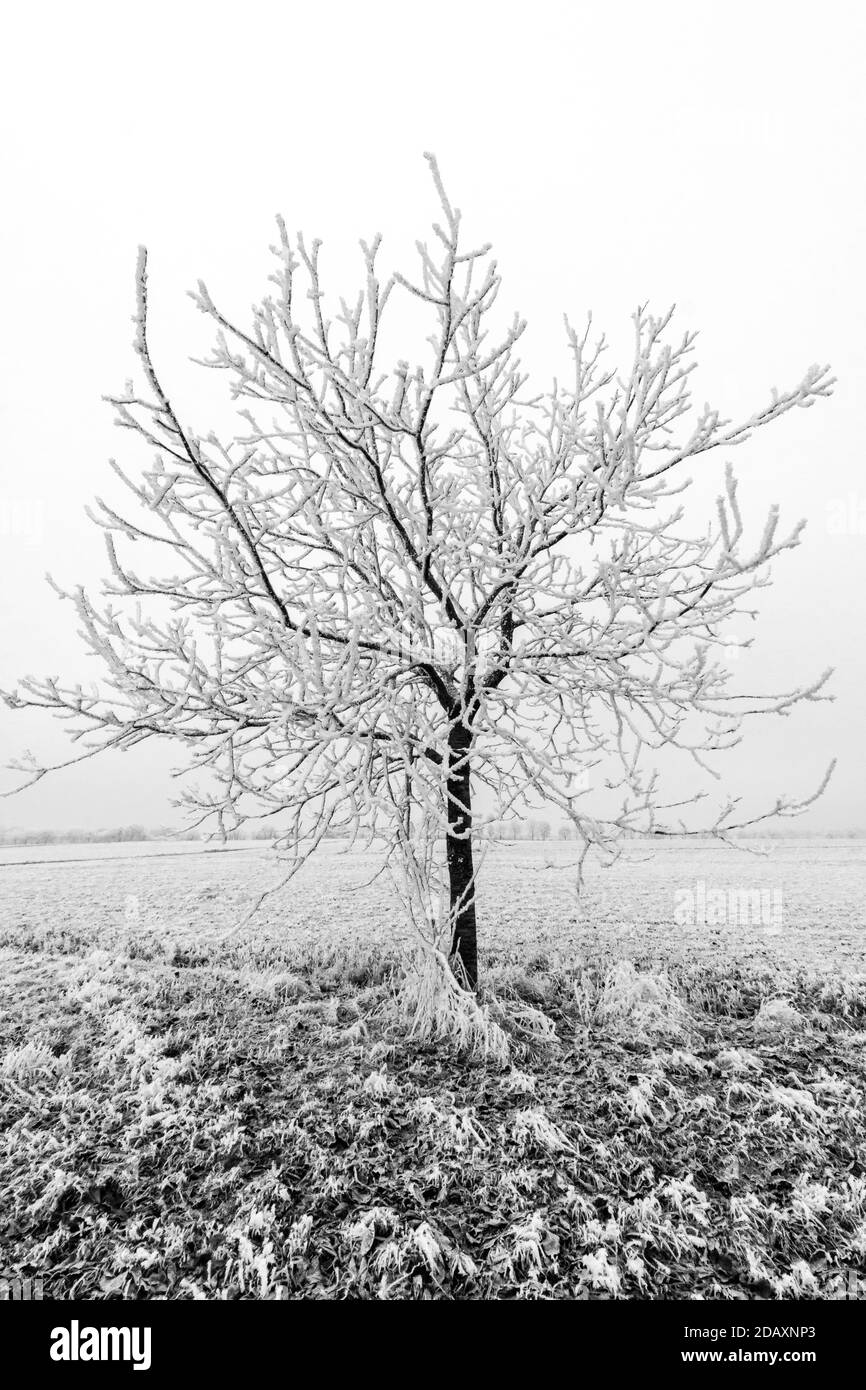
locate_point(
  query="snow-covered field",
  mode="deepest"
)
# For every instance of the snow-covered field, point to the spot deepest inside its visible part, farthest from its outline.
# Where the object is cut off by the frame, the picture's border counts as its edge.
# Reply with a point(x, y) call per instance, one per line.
point(803, 902)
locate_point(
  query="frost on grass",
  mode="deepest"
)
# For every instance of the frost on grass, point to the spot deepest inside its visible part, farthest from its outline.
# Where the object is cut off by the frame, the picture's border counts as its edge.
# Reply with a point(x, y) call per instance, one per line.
point(517, 1082)
point(527, 1249)
point(309, 1148)
point(380, 1084)
point(600, 1273)
point(625, 999)
point(777, 1016)
point(439, 1010)
point(30, 1062)
point(532, 1129)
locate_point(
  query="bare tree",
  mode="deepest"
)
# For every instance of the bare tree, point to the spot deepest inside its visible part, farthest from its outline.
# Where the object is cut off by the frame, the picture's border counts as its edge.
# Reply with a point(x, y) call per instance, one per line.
point(398, 587)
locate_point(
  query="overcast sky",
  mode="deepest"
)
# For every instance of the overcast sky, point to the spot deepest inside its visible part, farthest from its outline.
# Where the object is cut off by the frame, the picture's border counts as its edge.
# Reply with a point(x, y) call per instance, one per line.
point(708, 154)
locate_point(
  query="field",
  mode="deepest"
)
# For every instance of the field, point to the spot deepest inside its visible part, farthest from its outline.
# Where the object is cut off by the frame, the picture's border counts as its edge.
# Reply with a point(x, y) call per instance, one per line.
point(193, 1108)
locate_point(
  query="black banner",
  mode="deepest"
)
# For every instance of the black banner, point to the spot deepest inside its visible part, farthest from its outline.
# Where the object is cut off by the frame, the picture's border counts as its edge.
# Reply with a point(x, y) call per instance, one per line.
point(162, 1341)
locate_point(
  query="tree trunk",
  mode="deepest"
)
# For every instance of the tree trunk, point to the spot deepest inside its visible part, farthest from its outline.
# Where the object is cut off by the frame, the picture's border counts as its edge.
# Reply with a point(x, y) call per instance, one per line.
point(464, 946)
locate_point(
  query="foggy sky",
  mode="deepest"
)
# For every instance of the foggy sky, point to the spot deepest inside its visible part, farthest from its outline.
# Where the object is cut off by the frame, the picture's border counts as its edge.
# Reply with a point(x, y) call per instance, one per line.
point(710, 155)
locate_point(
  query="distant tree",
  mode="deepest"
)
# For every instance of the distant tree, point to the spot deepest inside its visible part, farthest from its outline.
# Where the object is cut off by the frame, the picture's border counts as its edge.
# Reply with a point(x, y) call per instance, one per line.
point(131, 833)
point(399, 584)
point(564, 832)
point(544, 830)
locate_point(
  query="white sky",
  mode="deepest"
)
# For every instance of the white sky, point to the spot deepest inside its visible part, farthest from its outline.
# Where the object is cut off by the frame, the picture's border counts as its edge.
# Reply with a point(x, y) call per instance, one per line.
point(707, 154)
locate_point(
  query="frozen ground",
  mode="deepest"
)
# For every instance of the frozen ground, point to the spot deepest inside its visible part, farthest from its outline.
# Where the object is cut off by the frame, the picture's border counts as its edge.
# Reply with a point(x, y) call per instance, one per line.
point(191, 1112)
point(802, 903)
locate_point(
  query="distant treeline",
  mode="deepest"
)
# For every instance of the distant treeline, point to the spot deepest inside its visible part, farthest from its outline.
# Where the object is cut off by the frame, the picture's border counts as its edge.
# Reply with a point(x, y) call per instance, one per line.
point(128, 834)
point(118, 834)
point(499, 830)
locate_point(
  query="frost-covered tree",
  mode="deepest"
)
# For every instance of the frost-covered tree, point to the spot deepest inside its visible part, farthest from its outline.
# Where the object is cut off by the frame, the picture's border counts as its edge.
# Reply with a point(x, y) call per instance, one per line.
point(406, 591)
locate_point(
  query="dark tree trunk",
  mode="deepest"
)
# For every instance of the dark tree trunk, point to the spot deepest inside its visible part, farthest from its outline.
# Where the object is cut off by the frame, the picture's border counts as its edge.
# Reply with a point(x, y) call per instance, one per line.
point(464, 946)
